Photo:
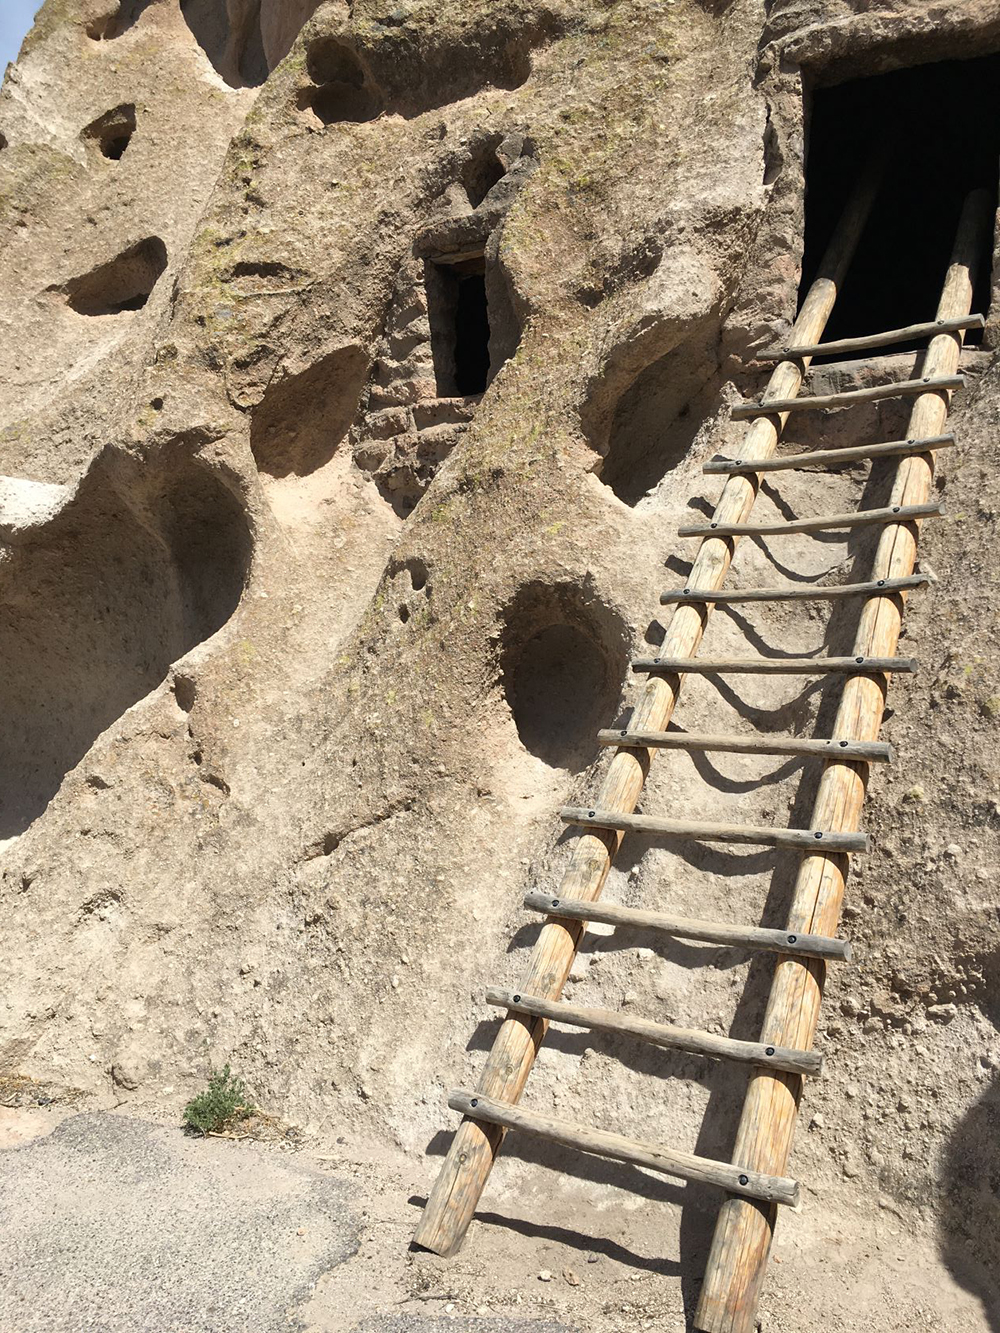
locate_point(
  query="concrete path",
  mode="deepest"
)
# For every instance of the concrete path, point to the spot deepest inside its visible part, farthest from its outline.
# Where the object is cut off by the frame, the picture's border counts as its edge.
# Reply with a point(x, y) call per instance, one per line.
point(114, 1225)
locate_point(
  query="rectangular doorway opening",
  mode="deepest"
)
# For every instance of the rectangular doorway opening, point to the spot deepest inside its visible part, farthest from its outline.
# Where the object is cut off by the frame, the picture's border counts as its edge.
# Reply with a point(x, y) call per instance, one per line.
point(944, 119)
point(458, 311)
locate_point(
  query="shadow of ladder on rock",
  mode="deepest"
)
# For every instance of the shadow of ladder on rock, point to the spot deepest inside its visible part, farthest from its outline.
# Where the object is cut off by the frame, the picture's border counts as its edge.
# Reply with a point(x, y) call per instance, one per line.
point(754, 1180)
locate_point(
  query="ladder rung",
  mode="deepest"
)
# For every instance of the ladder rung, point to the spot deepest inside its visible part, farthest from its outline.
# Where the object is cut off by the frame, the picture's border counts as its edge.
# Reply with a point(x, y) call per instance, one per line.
point(775, 666)
point(799, 838)
point(857, 519)
point(782, 462)
point(687, 928)
point(685, 1166)
point(810, 593)
point(659, 1034)
point(886, 339)
point(929, 384)
point(872, 752)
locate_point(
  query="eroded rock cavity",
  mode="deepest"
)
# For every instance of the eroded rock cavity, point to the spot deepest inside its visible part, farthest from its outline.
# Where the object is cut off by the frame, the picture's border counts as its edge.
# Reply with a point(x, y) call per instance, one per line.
point(562, 660)
point(122, 284)
point(145, 562)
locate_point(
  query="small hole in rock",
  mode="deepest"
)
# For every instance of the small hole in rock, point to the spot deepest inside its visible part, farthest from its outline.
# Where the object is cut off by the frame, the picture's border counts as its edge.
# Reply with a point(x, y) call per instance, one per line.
point(112, 132)
point(481, 173)
point(107, 27)
point(123, 283)
point(184, 692)
point(418, 574)
point(157, 404)
point(404, 613)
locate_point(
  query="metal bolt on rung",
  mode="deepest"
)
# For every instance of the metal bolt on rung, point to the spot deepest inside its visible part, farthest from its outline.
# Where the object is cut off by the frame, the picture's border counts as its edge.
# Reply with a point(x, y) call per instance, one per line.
point(555, 902)
point(895, 509)
point(591, 814)
point(881, 583)
point(623, 733)
point(792, 939)
point(474, 1102)
point(517, 999)
point(818, 836)
point(844, 744)
point(769, 1050)
point(744, 1180)
point(859, 660)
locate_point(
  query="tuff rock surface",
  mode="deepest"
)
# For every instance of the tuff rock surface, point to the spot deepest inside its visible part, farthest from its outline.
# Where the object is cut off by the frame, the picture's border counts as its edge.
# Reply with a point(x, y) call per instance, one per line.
point(304, 643)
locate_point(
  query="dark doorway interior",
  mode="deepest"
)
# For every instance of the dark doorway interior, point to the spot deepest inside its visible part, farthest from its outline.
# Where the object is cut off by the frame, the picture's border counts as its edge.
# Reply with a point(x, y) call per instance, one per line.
point(460, 326)
point(945, 120)
point(472, 335)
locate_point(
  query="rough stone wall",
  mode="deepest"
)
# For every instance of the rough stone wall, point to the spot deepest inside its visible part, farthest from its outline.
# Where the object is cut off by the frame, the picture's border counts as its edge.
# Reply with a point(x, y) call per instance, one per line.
point(302, 655)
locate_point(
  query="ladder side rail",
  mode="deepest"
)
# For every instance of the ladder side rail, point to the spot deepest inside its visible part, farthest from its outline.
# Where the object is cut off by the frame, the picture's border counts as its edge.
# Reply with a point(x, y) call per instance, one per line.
point(742, 1239)
point(463, 1175)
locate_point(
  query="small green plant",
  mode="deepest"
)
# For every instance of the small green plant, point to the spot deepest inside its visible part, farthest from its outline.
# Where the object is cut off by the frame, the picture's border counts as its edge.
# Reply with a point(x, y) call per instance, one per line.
point(225, 1102)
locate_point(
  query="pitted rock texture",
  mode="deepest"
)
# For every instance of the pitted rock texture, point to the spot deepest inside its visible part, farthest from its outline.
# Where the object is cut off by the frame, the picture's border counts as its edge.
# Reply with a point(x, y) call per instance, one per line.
point(307, 636)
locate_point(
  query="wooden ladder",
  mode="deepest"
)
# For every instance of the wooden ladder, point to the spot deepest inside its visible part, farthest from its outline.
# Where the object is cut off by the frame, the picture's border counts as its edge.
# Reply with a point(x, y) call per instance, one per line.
point(754, 1181)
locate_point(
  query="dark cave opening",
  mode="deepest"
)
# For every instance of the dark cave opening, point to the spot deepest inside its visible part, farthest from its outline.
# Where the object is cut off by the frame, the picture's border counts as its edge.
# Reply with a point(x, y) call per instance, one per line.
point(896, 275)
point(458, 310)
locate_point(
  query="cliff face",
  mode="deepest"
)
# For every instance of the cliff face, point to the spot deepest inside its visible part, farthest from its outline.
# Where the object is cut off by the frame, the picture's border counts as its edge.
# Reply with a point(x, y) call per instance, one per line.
point(311, 613)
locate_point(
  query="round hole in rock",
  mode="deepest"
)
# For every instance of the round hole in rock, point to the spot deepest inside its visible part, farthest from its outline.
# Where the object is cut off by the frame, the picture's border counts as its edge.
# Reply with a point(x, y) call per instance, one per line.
point(563, 657)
